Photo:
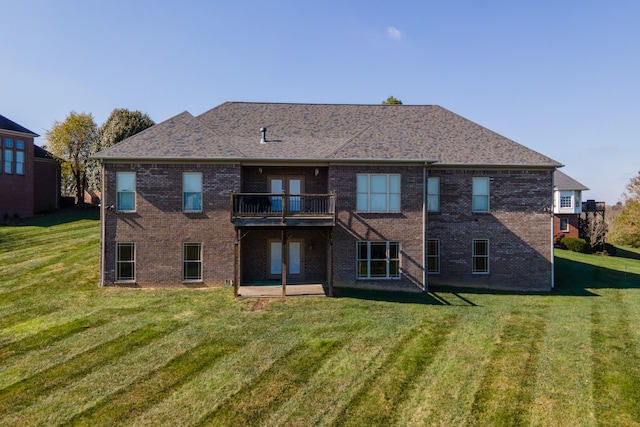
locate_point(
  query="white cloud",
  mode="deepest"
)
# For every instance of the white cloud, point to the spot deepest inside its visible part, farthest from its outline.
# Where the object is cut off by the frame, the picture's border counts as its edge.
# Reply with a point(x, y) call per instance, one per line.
point(394, 33)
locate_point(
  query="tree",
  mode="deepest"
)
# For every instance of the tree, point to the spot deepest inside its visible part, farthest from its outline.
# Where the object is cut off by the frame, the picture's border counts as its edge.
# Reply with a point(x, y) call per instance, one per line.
point(626, 227)
point(595, 229)
point(633, 189)
point(120, 125)
point(391, 100)
point(72, 140)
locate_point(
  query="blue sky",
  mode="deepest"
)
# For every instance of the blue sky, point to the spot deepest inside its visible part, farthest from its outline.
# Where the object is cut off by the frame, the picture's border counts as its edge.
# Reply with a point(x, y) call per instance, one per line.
point(561, 77)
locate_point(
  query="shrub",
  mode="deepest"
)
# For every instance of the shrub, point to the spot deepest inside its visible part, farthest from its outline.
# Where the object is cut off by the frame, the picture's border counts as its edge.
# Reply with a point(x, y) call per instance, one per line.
point(557, 241)
point(575, 245)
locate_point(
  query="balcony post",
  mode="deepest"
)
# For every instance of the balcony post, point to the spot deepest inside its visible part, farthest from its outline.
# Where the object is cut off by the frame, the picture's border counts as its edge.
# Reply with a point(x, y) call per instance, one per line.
point(285, 205)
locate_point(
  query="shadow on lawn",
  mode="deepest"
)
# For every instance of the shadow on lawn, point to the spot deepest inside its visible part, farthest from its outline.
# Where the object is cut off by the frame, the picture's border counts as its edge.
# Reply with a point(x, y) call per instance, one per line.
point(572, 278)
point(56, 218)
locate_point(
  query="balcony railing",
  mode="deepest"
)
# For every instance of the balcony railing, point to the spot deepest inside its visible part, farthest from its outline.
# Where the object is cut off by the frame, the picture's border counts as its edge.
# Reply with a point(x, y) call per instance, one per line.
point(593, 206)
point(288, 209)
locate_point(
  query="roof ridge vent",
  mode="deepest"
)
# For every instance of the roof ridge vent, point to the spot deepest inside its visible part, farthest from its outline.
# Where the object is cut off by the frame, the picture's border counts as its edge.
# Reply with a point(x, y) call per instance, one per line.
point(263, 131)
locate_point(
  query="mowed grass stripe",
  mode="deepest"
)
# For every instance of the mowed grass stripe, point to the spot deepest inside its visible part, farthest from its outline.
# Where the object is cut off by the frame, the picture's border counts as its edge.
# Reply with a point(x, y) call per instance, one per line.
point(27, 391)
point(616, 363)
point(263, 396)
point(155, 386)
point(377, 400)
point(506, 392)
point(19, 237)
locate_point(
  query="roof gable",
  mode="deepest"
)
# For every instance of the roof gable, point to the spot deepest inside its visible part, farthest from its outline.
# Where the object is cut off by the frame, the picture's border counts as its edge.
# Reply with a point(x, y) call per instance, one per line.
point(10, 125)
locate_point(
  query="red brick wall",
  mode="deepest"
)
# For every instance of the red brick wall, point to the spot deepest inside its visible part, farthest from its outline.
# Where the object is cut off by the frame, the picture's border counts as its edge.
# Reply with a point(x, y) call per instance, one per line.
point(16, 191)
point(46, 185)
point(159, 227)
point(574, 225)
point(518, 229)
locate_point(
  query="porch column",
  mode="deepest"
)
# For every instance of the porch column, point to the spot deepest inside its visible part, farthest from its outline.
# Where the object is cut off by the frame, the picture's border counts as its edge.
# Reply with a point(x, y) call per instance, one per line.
point(284, 262)
point(236, 264)
point(330, 261)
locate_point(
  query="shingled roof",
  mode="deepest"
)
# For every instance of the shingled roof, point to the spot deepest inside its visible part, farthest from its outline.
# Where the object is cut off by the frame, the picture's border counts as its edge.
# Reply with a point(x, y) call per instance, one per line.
point(326, 132)
point(10, 125)
point(562, 181)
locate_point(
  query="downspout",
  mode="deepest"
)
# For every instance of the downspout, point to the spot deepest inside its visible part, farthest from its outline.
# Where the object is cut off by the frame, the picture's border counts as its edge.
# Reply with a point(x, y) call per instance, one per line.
point(425, 286)
point(102, 222)
point(553, 266)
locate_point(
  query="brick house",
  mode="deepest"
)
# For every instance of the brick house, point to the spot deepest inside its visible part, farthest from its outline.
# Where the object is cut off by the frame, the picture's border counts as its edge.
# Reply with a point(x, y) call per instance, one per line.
point(567, 205)
point(393, 197)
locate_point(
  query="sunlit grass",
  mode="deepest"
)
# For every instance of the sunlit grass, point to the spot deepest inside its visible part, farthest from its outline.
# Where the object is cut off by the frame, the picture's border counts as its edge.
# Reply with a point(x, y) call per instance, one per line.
point(72, 353)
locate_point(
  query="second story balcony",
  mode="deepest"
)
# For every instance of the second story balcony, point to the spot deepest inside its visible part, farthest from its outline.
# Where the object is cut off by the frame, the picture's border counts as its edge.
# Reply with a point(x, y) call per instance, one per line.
point(281, 209)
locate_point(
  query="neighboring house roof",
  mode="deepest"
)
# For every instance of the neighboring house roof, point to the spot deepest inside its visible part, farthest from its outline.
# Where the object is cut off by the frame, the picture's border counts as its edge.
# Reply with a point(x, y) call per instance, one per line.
point(326, 132)
point(41, 153)
point(6, 124)
point(562, 181)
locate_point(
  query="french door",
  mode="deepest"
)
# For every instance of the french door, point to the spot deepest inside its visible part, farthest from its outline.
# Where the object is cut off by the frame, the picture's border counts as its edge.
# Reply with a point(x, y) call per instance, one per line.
point(294, 261)
point(294, 189)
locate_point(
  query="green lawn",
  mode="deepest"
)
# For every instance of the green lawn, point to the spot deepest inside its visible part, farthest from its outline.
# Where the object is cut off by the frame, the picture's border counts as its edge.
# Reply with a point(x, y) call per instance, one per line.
point(72, 353)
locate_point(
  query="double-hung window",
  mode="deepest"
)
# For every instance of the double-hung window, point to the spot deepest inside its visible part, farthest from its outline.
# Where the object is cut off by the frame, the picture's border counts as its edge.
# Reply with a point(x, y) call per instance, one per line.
point(480, 257)
point(433, 256)
point(378, 260)
point(433, 194)
point(564, 225)
point(378, 193)
point(125, 262)
point(20, 157)
point(192, 261)
point(8, 155)
point(480, 200)
point(126, 191)
point(192, 191)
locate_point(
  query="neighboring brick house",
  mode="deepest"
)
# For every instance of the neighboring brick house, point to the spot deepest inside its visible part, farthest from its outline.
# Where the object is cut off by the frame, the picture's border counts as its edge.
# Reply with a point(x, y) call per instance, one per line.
point(394, 197)
point(567, 205)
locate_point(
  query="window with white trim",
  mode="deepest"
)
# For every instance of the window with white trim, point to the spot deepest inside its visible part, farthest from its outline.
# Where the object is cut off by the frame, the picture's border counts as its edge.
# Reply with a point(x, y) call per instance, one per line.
point(433, 194)
point(378, 260)
point(378, 193)
point(564, 224)
point(126, 191)
point(480, 257)
point(433, 256)
point(192, 261)
point(566, 200)
point(125, 262)
point(8, 155)
point(192, 191)
point(480, 198)
point(20, 157)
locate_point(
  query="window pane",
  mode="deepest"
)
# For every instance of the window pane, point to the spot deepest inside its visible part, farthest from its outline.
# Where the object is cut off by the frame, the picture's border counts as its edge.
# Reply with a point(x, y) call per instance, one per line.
point(394, 203)
point(126, 181)
point(394, 183)
point(378, 250)
point(394, 268)
point(480, 264)
point(126, 271)
point(480, 247)
point(192, 182)
point(126, 201)
point(433, 203)
point(480, 185)
point(125, 252)
point(393, 250)
point(433, 185)
point(8, 143)
point(378, 183)
point(480, 204)
point(378, 268)
point(361, 203)
point(20, 145)
point(432, 264)
point(192, 270)
point(378, 203)
point(276, 258)
point(8, 161)
point(362, 269)
point(294, 258)
point(362, 250)
point(20, 162)
point(192, 202)
point(192, 251)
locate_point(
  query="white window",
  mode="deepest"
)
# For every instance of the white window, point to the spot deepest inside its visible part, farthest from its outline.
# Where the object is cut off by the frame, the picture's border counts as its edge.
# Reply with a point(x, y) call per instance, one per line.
point(480, 256)
point(433, 194)
point(433, 256)
point(20, 157)
point(378, 260)
point(192, 261)
point(378, 193)
point(480, 202)
point(564, 224)
point(566, 200)
point(192, 192)
point(126, 191)
point(8, 155)
point(125, 262)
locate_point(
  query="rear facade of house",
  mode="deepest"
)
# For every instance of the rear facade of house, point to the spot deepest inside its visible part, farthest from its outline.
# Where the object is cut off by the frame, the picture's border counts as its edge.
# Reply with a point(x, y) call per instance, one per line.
point(363, 196)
